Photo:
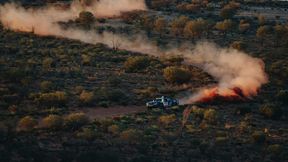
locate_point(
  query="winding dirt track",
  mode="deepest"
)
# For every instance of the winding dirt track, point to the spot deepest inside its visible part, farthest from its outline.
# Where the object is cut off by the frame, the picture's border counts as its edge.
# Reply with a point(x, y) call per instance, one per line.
point(99, 112)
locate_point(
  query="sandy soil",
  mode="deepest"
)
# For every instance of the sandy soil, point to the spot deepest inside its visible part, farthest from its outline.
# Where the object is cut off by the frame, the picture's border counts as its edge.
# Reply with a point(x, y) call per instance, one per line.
point(100, 112)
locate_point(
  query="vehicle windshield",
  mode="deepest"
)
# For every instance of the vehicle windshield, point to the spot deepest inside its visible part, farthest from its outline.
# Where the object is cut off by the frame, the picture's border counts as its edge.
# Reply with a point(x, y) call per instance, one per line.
point(158, 100)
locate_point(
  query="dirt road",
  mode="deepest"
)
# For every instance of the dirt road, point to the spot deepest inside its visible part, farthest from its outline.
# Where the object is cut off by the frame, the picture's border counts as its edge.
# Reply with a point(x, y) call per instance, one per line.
point(99, 112)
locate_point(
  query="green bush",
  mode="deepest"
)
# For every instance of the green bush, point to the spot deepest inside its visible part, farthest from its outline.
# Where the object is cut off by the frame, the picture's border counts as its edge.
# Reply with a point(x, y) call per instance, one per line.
point(271, 111)
point(52, 122)
point(259, 137)
point(27, 123)
point(176, 75)
point(75, 120)
point(137, 63)
point(210, 116)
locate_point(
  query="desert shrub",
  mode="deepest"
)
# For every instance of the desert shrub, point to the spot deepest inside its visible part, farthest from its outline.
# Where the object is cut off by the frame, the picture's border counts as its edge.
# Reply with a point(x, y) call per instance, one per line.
point(261, 20)
point(270, 111)
point(224, 26)
point(274, 149)
point(52, 122)
point(27, 123)
point(153, 129)
point(198, 112)
point(173, 60)
point(75, 120)
point(16, 74)
point(117, 95)
point(13, 109)
point(86, 17)
point(131, 16)
point(87, 134)
point(239, 45)
point(188, 7)
point(47, 63)
point(195, 28)
point(210, 116)
point(79, 89)
point(190, 128)
point(114, 81)
point(104, 104)
point(147, 92)
point(114, 129)
point(220, 141)
point(87, 98)
point(227, 12)
point(176, 75)
point(262, 32)
point(178, 25)
point(282, 96)
point(86, 59)
point(160, 25)
point(57, 98)
point(137, 63)
point(259, 137)
point(45, 85)
point(204, 125)
point(130, 135)
point(167, 119)
point(243, 26)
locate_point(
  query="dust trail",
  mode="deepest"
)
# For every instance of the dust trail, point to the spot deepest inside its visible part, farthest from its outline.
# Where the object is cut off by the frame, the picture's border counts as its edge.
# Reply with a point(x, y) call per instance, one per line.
point(110, 8)
point(239, 75)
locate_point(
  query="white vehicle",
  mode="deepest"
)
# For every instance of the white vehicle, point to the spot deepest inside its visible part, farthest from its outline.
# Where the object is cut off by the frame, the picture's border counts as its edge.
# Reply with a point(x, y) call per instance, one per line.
point(162, 102)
